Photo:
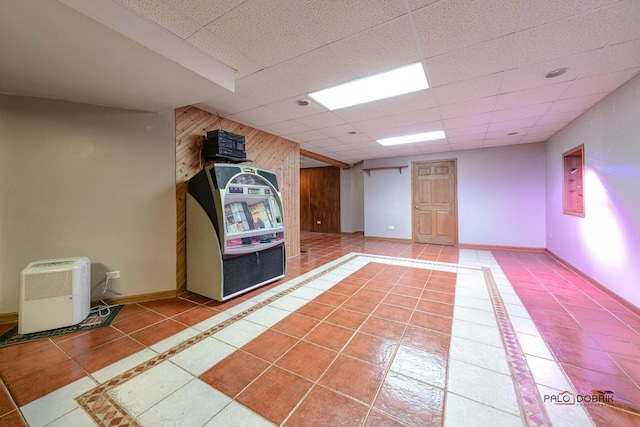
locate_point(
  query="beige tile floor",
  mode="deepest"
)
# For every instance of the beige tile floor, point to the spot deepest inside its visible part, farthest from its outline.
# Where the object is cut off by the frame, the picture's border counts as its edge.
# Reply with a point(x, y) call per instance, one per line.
point(360, 332)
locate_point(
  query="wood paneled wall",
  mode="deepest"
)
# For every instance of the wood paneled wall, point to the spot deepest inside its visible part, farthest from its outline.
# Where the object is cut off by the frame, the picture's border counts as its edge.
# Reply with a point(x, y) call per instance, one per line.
point(320, 199)
point(267, 151)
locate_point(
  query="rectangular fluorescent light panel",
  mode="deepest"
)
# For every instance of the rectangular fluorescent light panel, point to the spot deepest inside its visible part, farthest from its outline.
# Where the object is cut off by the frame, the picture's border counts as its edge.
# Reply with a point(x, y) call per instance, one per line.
point(399, 81)
point(418, 137)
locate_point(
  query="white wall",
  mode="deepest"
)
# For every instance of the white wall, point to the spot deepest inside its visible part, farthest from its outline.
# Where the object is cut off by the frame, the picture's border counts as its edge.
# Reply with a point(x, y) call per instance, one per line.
point(501, 199)
point(605, 244)
point(80, 180)
point(352, 199)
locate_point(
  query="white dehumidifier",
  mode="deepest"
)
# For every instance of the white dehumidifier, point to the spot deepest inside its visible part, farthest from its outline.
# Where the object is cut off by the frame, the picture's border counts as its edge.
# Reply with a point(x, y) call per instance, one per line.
point(54, 293)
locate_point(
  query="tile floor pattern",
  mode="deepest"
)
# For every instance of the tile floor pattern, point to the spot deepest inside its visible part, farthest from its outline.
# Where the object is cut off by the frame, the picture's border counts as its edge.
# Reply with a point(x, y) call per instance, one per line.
point(456, 337)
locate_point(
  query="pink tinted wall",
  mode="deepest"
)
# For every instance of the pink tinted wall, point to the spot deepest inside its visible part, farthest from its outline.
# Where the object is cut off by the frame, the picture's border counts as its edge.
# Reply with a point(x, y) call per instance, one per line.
point(605, 244)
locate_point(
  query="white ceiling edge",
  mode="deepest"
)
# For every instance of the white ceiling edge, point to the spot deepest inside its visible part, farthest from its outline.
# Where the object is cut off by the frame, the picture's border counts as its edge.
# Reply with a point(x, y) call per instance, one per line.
point(133, 26)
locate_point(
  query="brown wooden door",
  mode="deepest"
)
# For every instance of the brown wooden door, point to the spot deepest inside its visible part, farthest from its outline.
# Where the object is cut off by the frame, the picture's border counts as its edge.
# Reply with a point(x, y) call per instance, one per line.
point(434, 202)
point(320, 199)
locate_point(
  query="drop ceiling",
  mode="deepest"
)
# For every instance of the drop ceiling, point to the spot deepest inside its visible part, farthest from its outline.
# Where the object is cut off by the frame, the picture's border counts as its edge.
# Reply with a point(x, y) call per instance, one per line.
point(485, 60)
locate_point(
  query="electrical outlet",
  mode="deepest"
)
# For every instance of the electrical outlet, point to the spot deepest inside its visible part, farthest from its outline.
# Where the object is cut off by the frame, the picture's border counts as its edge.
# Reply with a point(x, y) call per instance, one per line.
point(318, 222)
point(113, 274)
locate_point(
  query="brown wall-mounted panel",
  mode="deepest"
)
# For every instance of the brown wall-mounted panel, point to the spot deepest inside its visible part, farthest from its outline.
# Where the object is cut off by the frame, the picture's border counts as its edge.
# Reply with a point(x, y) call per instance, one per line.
point(267, 151)
point(320, 199)
point(573, 181)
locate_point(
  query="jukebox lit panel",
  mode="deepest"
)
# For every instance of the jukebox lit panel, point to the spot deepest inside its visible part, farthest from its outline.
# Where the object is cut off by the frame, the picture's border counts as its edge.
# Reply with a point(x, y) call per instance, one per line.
point(252, 214)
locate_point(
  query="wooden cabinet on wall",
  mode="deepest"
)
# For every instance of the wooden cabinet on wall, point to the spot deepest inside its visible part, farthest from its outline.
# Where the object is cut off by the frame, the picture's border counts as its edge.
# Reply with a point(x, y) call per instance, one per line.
point(320, 200)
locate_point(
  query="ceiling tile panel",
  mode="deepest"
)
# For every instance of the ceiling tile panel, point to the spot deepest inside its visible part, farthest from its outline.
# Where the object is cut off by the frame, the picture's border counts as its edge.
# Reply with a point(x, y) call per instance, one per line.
point(202, 11)
point(598, 84)
point(466, 146)
point(536, 137)
point(165, 16)
point(589, 31)
point(358, 113)
point(497, 142)
point(534, 75)
point(289, 107)
point(558, 119)
point(266, 31)
point(398, 120)
point(512, 125)
point(466, 121)
point(366, 145)
point(536, 110)
point(322, 120)
point(314, 70)
point(406, 150)
point(335, 20)
point(467, 108)
point(409, 102)
point(540, 12)
point(340, 130)
point(312, 135)
point(435, 148)
point(324, 143)
point(485, 59)
point(618, 57)
point(504, 136)
point(470, 130)
point(285, 128)
point(263, 87)
point(539, 132)
point(417, 4)
point(351, 140)
point(533, 96)
point(425, 115)
point(450, 25)
point(344, 149)
point(258, 117)
point(544, 129)
point(395, 46)
point(464, 64)
point(480, 87)
point(631, 31)
point(466, 139)
point(575, 104)
point(373, 124)
point(223, 52)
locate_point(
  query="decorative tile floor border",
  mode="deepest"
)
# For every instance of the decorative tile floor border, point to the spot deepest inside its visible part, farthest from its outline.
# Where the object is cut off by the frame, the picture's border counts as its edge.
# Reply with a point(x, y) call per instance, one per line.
point(529, 400)
point(105, 411)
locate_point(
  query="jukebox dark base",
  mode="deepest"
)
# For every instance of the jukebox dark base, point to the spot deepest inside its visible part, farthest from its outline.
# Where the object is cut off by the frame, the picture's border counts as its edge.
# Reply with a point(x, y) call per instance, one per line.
point(242, 273)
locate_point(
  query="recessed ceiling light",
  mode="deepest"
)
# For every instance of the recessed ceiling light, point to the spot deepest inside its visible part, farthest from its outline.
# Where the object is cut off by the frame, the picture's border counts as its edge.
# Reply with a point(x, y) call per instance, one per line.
point(398, 81)
point(555, 73)
point(302, 102)
point(407, 139)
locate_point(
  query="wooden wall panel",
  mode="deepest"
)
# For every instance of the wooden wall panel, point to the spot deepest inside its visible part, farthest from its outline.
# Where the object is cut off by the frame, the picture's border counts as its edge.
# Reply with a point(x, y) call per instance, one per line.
point(267, 151)
point(306, 218)
point(322, 201)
